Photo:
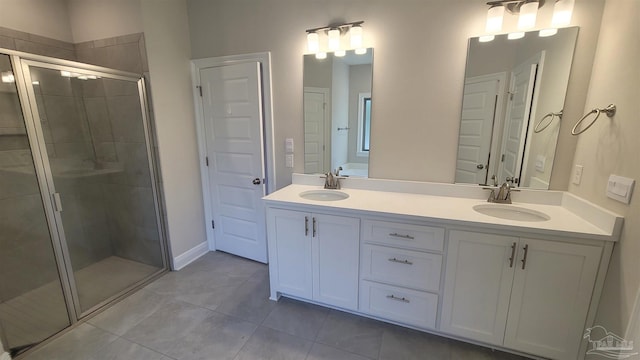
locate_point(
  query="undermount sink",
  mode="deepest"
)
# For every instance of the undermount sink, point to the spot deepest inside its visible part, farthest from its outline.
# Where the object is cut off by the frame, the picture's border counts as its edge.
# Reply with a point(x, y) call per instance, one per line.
point(323, 195)
point(511, 212)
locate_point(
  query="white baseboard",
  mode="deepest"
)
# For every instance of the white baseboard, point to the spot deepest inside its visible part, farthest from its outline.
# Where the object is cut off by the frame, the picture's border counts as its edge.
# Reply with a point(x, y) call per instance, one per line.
point(190, 256)
point(5, 356)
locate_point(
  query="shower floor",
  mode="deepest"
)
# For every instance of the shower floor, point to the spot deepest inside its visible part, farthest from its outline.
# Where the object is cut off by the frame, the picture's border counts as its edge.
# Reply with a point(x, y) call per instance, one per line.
point(40, 313)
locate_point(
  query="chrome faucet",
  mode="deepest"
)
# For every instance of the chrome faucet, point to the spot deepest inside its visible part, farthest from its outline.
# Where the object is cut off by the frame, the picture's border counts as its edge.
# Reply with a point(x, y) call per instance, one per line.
point(504, 193)
point(332, 180)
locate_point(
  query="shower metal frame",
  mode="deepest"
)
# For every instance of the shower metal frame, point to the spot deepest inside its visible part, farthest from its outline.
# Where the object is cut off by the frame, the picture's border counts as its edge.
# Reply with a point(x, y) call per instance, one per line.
point(21, 62)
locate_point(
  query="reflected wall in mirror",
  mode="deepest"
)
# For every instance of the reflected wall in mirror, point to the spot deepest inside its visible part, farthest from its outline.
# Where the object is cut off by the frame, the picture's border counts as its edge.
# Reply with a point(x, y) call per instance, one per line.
point(337, 113)
point(512, 89)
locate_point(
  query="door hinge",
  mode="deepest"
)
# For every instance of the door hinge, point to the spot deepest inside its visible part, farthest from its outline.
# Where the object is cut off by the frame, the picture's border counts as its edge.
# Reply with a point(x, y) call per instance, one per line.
point(206, 160)
point(199, 89)
point(213, 224)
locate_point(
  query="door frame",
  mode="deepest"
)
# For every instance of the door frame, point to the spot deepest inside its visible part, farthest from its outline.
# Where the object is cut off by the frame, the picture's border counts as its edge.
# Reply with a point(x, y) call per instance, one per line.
point(264, 59)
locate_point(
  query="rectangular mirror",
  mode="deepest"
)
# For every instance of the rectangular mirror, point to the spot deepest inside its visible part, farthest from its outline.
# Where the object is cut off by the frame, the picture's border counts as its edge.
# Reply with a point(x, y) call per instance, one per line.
point(512, 106)
point(337, 113)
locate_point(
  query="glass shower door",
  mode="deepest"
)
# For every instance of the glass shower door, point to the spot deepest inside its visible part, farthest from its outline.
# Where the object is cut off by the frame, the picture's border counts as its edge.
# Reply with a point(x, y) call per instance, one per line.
point(95, 133)
point(32, 302)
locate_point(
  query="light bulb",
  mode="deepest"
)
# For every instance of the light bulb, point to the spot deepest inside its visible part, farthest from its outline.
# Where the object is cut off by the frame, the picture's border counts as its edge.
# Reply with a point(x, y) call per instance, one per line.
point(494, 19)
point(562, 11)
point(515, 35)
point(527, 18)
point(7, 77)
point(334, 39)
point(356, 36)
point(340, 53)
point(321, 55)
point(65, 73)
point(361, 51)
point(313, 44)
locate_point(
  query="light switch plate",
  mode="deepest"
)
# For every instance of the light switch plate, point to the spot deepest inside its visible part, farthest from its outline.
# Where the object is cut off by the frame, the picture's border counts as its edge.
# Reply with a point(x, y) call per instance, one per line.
point(289, 160)
point(577, 174)
point(620, 188)
point(288, 145)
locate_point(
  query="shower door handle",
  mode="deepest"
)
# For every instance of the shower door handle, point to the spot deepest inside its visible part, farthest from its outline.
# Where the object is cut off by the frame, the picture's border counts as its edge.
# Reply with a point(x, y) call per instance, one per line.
point(57, 202)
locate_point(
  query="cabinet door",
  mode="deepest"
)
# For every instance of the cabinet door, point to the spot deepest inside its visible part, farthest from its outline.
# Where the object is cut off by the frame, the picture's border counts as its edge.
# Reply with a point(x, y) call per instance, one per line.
point(290, 236)
point(551, 297)
point(478, 280)
point(336, 242)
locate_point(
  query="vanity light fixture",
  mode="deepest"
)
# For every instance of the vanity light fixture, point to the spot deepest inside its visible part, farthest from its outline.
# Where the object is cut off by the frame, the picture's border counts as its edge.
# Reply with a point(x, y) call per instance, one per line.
point(334, 33)
point(527, 18)
point(562, 11)
point(495, 15)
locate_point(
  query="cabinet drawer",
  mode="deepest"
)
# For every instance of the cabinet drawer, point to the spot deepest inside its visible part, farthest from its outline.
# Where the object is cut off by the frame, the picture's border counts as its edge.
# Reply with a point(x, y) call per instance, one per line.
point(398, 304)
point(401, 267)
point(408, 236)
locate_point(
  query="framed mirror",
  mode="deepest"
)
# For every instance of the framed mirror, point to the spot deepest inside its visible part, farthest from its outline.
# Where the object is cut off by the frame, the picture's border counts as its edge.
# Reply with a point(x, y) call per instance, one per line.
point(337, 113)
point(512, 106)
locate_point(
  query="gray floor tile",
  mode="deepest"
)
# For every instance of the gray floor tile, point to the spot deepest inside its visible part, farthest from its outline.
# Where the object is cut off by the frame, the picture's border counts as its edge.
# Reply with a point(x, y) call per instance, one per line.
point(401, 343)
point(81, 343)
point(267, 343)
point(463, 351)
point(352, 333)
point(220, 262)
point(297, 318)
point(171, 321)
point(324, 352)
point(129, 312)
point(250, 301)
point(219, 337)
point(122, 349)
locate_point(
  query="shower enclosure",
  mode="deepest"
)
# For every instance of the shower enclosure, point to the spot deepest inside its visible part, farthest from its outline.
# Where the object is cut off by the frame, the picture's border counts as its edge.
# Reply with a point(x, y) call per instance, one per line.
point(79, 212)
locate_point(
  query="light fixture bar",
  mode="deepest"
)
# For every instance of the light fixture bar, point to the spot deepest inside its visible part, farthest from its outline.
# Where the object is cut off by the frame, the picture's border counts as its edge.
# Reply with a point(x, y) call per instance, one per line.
point(339, 26)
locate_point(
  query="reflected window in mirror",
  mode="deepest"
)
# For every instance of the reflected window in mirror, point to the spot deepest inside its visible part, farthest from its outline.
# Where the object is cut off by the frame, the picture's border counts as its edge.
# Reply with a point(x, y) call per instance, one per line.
point(510, 85)
point(364, 123)
point(337, 113)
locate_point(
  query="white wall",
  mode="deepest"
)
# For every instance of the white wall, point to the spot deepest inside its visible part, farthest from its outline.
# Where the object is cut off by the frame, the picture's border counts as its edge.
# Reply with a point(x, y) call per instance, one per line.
point(166, 32)
point(99, 19)
point(420, 51)
point(41, 17)
point(612, 147)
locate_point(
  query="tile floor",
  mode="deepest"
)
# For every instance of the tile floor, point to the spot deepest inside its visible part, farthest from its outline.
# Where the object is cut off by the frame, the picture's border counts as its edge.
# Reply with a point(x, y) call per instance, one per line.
point(218, 308)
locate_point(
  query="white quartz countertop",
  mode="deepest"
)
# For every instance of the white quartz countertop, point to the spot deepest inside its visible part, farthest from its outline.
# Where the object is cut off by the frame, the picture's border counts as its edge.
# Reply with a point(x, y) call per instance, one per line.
point(448, 210)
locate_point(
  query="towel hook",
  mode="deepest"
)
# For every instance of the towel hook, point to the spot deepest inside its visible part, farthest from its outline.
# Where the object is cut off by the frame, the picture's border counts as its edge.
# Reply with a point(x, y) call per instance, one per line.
point(551, 115)
point(609, 110)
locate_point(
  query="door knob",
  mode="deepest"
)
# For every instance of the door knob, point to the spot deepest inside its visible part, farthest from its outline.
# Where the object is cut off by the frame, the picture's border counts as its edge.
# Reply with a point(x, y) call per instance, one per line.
point(480, 166)
point(257, 181)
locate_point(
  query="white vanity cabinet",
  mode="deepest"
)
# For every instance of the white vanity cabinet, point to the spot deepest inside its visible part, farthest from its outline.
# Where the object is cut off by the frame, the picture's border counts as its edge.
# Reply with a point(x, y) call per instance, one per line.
point(524, 294)
point(401, 267)
point(314, 256)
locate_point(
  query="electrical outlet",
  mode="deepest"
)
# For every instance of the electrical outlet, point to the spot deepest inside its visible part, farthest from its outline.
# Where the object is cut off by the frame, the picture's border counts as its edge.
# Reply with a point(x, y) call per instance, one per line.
point(289, 160)
point(577, 174)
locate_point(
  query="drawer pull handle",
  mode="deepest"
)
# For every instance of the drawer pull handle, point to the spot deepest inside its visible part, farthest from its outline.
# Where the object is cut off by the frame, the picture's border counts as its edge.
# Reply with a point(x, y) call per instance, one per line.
point(402, 236)
point(396, 298)
point(406, 262)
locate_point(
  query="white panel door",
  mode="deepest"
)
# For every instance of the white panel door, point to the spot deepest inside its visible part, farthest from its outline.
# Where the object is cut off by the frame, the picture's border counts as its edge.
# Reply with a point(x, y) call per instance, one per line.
point(476, 127)
point(336, 243)
point(477, 286)
point(232, 108)
point(290, 238)
point(517, 119)
point(551, 297)
point(315, 117)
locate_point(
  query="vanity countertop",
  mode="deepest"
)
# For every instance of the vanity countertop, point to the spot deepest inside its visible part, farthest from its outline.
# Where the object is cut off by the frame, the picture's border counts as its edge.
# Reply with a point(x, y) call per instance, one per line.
point(453, 210)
